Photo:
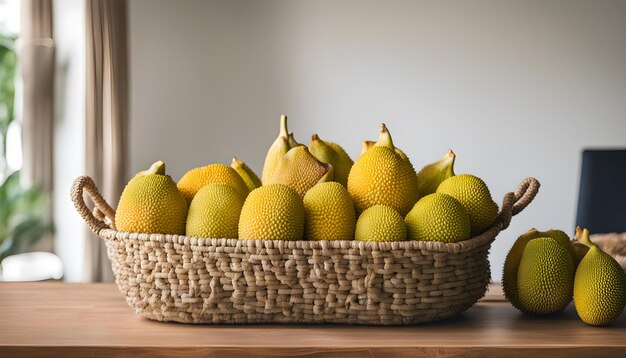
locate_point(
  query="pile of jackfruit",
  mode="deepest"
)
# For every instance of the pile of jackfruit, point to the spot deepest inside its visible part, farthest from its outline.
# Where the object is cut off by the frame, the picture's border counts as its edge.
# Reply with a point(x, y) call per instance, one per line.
point(312, 193)
point(544, 270)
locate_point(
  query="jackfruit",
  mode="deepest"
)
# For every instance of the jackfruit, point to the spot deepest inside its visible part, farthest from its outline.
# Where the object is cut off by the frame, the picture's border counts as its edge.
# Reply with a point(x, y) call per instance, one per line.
point(329, 213)
point(599, 286)
point(300, 170)
point(381, 176)
point(429, 178)
point(214, 212)
point(545, 277)
point(367, 144)
point(249, 177)
point(474, 195)
point(197, 178)
point(333, 154)
point(280, 147)
point(272, 212)
point(380, 223)
point(151, 203)
point(514, 257)
point(438, 217)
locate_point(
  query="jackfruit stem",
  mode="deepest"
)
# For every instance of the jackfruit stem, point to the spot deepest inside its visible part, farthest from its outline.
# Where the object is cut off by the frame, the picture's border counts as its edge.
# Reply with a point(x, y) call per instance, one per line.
point(451, 155)
point(448, 162)
point(582, 236)
point(453, 158)
point(578, 233)
point(284, 132)
point(291, 141)
point(315, 138)
point(384, 140)
point(236, 162)
point(156, 168)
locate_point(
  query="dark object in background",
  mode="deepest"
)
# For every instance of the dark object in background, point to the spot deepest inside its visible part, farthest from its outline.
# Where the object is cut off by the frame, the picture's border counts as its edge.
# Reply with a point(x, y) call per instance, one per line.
point(602, 195)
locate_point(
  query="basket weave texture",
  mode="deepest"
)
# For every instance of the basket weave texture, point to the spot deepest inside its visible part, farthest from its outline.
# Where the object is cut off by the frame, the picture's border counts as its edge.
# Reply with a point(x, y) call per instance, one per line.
point(175, 278)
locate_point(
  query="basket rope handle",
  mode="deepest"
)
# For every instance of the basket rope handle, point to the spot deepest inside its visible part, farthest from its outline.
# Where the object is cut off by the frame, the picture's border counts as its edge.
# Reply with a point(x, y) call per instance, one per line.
point(101, 211)
point(514, 203)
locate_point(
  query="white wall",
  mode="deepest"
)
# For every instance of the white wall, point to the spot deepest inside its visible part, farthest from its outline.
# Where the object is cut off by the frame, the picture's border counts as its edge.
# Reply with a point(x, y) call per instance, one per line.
point(69, 136)
point(516, 88)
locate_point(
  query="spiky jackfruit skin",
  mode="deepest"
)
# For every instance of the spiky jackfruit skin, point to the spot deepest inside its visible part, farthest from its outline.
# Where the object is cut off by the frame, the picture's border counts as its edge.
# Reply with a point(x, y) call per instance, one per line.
point(438, 217)
point(197, 178)
point(151, 204)
point(335, 155)
point(380, 223)
point(381, 176)
point(514, 257)
point(474, 195)
point(599, 288)
point(329, 213)
point(272, 212)
point(214, 212)
point(545, 277)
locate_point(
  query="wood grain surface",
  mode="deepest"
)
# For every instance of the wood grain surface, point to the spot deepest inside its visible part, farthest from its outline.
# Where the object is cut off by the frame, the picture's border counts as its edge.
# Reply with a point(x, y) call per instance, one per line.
point(56, 319)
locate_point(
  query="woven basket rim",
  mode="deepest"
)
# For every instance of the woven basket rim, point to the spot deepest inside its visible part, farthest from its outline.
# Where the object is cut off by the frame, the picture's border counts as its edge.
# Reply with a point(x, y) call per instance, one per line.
point(485, 238)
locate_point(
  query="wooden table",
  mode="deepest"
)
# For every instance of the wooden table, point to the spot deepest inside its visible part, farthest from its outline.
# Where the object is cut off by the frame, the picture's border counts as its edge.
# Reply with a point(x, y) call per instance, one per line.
point(44, 319)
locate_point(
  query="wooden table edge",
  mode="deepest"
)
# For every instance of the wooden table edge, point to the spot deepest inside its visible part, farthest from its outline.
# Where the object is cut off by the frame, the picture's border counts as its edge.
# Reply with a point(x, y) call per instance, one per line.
point(261, 351)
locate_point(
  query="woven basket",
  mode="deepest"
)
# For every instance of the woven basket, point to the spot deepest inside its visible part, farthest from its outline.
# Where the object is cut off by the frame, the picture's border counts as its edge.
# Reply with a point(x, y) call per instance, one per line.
point(183, 279)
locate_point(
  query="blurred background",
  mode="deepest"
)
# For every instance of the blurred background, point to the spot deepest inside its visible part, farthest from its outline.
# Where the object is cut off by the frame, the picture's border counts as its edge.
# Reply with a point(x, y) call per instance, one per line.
point(105, 88)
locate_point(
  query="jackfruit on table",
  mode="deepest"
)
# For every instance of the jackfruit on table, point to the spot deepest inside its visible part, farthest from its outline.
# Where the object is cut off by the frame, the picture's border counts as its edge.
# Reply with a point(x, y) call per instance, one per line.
point(599, 285)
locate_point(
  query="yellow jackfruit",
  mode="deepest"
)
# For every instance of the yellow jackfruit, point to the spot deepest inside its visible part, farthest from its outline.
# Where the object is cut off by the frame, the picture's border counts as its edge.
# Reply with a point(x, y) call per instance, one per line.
point(272, 212)
point(599, 285)
point(514, 257)
point(380, 223)
point(151, 203)
point(545, 277)
point(381, 176)
point(197, 178)
point(474, 195)
point(214, 212)
point(329, 213)
point(438, 217)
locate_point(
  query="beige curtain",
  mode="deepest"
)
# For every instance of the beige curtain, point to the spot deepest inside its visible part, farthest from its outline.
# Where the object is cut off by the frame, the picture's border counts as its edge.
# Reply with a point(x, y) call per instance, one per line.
point(107, 113)
point(36, 51)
